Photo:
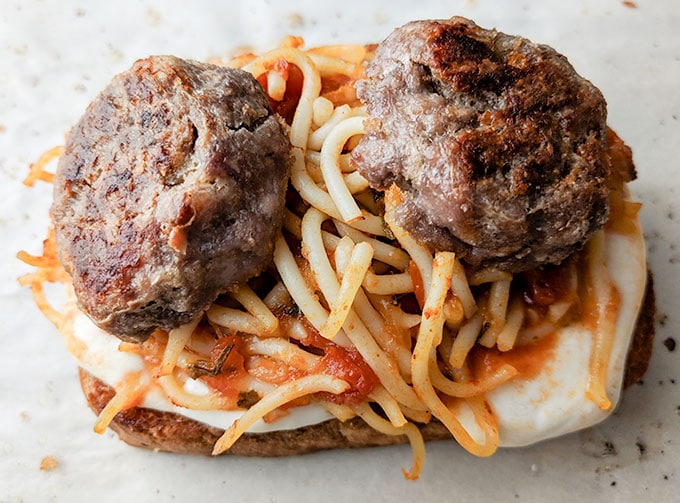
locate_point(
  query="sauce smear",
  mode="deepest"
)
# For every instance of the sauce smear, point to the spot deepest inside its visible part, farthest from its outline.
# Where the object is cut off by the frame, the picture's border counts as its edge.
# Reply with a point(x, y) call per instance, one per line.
point(529, 359)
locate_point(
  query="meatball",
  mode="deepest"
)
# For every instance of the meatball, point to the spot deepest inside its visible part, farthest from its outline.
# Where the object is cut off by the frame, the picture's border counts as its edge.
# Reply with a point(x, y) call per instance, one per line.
point(496, 144)
point(170, 191)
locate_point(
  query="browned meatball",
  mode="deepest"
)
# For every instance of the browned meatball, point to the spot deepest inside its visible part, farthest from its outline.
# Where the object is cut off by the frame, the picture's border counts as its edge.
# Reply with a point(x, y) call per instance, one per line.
point(496, 143)
point(170, 191)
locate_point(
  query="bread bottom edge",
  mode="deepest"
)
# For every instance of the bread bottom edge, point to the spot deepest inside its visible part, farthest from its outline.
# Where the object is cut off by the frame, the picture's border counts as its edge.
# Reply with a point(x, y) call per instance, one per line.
point(166, 431)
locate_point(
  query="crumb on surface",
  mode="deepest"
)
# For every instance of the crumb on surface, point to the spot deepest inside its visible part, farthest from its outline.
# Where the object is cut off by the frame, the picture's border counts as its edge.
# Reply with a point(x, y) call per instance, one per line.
point(296, 20)
point(670, 344)
point(48, 463)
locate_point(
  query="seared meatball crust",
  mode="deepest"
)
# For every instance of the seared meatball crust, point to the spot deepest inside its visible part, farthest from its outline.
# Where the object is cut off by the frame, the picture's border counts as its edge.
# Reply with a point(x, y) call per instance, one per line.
point(170, 191)
point(495, 142)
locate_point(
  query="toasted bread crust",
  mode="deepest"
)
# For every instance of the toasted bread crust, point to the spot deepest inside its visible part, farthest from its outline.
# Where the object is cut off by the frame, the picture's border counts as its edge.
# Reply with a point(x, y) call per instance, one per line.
point(166, 431)
point(640, 351)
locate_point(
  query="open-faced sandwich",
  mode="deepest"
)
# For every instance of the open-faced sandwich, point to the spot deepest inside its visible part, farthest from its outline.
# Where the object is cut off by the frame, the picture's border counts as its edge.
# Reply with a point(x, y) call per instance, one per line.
point(349, 246)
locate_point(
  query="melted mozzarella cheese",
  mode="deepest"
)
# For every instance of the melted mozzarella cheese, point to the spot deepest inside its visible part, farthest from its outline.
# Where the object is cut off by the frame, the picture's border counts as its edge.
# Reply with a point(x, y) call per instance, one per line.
point(547, 405)
point(101, 358)
point(554, 402)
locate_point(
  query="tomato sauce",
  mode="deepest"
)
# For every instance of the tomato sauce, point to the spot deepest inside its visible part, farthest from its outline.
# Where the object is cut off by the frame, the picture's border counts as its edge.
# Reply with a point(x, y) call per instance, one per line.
point(622, 211)
point(529, 359)
point(418, 285)
point(231, 378)
point(346, 364)
point(294, 79)
point(543, 286)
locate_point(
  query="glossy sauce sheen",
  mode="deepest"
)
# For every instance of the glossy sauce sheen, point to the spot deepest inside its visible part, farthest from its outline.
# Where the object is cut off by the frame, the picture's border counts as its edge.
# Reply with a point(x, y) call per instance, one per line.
point(232, 374)
point(346, 364)
point(528, 359)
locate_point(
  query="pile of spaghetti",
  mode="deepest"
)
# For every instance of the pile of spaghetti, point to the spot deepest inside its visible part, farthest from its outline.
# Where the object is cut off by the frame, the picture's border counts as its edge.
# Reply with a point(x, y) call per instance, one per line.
point(354, 314)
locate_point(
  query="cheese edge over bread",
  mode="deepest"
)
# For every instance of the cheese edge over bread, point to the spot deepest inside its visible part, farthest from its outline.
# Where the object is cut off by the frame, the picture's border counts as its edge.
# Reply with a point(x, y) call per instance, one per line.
point(549, 404)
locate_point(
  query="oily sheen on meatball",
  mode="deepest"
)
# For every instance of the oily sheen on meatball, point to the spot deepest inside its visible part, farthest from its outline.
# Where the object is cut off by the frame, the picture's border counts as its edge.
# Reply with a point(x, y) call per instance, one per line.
point(170, 191)
point(496, 143)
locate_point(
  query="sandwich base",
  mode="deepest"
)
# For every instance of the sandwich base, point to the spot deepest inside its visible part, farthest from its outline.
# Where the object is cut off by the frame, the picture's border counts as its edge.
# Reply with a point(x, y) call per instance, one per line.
point(167, 431)
point(640, 350)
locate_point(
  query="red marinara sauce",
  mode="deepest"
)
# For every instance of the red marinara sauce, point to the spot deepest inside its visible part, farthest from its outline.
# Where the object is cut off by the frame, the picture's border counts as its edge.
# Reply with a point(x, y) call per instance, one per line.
point(529, 359)
point(232, 375)
point(344, 363)
point(294, 79)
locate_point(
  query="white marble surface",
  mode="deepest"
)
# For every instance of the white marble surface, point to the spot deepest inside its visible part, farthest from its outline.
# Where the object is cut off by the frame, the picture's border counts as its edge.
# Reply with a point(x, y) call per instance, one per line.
point(56, 55)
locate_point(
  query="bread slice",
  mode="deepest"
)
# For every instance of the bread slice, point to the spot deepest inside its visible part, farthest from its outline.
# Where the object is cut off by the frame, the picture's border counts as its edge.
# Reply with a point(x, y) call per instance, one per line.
point(640, 351)
point(166, 431)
